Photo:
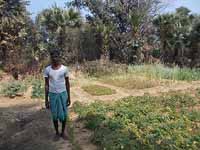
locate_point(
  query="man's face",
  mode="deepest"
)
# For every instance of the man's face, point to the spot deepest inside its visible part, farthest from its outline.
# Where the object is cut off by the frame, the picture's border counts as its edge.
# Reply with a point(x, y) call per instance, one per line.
point(55, 59)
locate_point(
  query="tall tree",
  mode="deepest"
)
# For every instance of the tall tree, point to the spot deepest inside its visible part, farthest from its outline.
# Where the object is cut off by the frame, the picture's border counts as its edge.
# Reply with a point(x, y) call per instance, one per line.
point(122, 24)
point(55, 24)
point(13, 17)
point(175, 32)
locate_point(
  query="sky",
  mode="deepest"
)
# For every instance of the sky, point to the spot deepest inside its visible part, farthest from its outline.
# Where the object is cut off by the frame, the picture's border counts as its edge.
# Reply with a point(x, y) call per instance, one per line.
point(193, 5)
point(37, 6)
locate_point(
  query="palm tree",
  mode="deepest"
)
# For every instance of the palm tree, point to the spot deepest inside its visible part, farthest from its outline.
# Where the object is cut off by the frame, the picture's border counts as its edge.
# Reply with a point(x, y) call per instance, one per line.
point(56, 24)
point(175, 31)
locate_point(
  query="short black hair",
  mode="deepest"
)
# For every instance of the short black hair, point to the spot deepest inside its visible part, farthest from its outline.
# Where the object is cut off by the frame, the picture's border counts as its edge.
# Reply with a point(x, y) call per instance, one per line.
point(55, 53)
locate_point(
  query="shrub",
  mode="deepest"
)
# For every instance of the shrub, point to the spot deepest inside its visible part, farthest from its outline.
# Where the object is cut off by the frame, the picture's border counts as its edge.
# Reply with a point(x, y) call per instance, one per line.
point(14, 88)
point(37, 89)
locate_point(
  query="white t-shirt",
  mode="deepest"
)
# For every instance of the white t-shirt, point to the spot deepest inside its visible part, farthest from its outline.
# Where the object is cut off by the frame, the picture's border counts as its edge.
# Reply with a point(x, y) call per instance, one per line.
point(56, 78)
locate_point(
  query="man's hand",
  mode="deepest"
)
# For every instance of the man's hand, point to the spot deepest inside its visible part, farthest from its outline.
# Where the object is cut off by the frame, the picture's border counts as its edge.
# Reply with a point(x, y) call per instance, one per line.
point(68, 91)
point(68, 102)
point(47, 104)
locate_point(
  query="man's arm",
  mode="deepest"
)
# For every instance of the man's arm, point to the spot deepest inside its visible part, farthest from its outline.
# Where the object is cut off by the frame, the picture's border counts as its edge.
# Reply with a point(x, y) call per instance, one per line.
point(68, 90)
point(46, 92)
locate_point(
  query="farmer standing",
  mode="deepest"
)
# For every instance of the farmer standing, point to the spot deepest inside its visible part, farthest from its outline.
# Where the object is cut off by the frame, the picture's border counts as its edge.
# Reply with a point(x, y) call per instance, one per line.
point(57, 92)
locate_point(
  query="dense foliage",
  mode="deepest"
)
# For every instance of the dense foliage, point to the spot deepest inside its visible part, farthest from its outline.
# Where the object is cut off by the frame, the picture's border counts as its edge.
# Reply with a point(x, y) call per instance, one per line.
point(179, 37)
point(56, 28)
point(123, 25)
point(16, 34)
point(165, 122)
point(122, 30)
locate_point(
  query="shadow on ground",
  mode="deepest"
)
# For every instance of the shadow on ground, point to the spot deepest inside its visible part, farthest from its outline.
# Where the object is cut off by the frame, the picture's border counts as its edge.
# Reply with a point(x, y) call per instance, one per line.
point(22, 129)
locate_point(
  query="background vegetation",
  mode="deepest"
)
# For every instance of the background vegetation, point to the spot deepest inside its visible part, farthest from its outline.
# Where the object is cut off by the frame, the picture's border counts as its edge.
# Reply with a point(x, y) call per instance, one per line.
point(130, 32)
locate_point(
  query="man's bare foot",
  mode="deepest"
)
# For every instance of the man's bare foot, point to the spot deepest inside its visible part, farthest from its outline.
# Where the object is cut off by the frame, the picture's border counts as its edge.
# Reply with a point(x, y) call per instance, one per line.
point(64, 136)
point(56, 137)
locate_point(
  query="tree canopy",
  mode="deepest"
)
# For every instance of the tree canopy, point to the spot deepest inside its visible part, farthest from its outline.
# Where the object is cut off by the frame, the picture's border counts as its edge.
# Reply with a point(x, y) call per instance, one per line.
point(125, 31)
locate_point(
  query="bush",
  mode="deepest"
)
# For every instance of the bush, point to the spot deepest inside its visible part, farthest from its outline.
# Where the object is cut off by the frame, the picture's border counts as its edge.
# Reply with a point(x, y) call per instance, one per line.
point(13, 89)
point(37, 89)
point(146, 123)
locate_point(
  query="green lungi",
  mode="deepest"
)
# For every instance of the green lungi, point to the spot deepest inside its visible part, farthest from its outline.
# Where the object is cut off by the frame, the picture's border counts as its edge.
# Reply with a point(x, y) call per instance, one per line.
point(58, 105)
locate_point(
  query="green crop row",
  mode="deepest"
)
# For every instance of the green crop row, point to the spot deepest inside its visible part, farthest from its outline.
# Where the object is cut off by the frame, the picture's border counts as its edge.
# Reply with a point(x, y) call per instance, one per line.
point(168, 122)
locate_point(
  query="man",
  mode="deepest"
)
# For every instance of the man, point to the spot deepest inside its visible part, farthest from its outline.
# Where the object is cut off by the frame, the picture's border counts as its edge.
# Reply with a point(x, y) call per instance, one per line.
point(57, 92)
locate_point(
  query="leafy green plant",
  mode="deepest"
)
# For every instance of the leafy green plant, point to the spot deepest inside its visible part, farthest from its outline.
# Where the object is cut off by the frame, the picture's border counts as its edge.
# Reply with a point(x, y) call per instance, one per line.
point(146, 123)
point(14, 88)
point(37, 89)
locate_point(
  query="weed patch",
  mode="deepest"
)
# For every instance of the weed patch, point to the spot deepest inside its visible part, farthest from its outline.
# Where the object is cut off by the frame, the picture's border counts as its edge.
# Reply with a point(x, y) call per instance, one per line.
point(37, 89)
point(13, 88)
point(98, 90)
point(130, 82)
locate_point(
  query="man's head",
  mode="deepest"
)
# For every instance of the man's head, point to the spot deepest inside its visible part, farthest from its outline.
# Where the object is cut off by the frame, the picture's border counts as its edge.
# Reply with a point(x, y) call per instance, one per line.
point(55, 56)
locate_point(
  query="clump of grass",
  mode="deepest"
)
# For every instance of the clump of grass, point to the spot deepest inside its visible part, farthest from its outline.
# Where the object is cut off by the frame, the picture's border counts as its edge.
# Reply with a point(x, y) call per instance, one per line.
point(98, 90)
point(152, 71)
point(37, 89)
point(129, 82)
point(145, 122)
point(13, 88)
point(159, 71)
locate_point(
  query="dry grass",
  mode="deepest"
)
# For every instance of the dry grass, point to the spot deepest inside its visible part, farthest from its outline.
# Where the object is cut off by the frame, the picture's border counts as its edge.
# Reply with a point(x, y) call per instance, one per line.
point(130, 82)
point(97, 90)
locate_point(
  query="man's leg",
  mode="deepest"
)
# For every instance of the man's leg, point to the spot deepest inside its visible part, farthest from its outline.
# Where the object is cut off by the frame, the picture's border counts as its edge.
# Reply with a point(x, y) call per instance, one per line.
point(63, 113)
point(63, 126)
point(55, 122)
point(63, 135)
point(56, 137)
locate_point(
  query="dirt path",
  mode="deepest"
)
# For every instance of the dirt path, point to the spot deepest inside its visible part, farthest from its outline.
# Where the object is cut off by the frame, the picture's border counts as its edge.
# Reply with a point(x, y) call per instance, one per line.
point(25, 124)
point(84, 97)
